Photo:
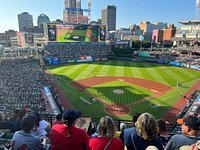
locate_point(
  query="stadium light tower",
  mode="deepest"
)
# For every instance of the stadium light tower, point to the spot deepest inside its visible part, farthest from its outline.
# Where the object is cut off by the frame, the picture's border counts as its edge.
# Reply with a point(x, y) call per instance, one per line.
point(197, 9)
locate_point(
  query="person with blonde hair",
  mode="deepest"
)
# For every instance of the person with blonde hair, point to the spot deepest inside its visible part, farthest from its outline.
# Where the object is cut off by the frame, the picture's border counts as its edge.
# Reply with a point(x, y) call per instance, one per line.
point(146, 133)
point(106, 139)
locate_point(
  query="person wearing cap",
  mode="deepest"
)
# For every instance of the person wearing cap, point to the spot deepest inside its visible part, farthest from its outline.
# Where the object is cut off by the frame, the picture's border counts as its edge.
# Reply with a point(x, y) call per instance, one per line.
point(190, 133)
point(67, 136)
point(25, 138)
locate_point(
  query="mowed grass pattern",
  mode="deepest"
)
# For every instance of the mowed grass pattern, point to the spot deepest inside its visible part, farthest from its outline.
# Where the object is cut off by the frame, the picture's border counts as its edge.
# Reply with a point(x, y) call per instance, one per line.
point(131, 93)
point(168, 75)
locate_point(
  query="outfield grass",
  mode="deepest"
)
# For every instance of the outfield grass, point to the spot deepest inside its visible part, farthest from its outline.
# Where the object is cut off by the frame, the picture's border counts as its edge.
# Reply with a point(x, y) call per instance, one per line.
point(167, 75)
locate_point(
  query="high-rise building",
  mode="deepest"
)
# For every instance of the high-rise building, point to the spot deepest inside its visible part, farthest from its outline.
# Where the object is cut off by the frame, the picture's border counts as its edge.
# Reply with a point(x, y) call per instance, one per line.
point(72, 11)
point(148, 27)
point(108, 17)
point(25, 20)
point(42, 21)
point(5, 37)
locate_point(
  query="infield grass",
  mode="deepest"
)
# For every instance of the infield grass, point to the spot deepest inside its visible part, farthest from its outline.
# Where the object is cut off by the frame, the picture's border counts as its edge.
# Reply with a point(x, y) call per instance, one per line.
point(119, 92)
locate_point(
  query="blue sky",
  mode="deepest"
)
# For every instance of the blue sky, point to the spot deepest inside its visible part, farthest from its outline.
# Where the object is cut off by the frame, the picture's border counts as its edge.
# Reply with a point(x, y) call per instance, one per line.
point(128, 11)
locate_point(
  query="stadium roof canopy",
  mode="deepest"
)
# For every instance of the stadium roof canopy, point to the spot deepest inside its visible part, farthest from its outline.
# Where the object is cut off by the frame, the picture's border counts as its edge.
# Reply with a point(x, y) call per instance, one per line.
point(190, 22)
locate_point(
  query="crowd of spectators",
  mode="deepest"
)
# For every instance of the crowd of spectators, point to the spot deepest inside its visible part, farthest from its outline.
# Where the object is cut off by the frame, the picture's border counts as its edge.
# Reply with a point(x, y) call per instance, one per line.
point(188, 59)
point(76, 50)
point(21, 84)
point(176, 56)
point(146, 133)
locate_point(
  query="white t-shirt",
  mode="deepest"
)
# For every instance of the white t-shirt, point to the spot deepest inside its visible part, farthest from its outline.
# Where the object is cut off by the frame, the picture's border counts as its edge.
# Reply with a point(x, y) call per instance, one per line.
point(41, 129)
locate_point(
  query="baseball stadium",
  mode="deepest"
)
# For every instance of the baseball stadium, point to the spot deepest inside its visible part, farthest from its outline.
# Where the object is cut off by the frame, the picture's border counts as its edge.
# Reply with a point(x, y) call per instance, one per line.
point(90, 79)
point(77, 72)
point(80, 84)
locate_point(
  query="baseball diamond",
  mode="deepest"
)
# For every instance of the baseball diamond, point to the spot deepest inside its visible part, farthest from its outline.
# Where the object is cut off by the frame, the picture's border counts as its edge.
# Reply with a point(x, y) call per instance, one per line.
point(120, 87)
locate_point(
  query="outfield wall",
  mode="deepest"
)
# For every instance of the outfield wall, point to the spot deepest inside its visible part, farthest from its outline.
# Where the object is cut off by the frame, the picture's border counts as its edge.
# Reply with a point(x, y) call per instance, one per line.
point(60, 60)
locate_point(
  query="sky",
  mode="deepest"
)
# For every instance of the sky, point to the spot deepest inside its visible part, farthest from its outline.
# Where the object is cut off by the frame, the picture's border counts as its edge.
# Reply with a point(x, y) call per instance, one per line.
point(129, 12)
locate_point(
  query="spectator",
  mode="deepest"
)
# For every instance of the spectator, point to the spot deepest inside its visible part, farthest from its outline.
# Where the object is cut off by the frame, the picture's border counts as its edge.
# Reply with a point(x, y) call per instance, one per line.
point(5, 124)
point(146, 135)
point(151, 148)
point(91, 129)
point(122, 128)
point(96, 132)
point(25, 139)
point(129, 131)
point(42, 126)
point(18, 121)
point(16, 115)
point(68, 136)
point(105, 139)
point(58, 119)
point(190, 133)
point(162, 131)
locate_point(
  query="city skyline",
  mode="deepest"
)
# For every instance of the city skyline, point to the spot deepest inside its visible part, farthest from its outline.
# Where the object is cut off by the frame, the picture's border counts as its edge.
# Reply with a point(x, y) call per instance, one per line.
point(129, 12)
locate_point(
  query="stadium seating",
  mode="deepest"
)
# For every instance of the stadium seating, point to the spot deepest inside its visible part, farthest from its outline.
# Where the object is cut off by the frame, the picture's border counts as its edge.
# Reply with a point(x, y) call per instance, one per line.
point(76, 50)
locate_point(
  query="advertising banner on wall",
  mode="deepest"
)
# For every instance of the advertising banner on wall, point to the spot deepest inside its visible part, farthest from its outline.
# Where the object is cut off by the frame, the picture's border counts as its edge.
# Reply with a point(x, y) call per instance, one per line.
point(51, 32)
point(71, 61)
point(29, 38)
point(102, 33)
point(20, 38)
point(84, 59)
point(53, 60)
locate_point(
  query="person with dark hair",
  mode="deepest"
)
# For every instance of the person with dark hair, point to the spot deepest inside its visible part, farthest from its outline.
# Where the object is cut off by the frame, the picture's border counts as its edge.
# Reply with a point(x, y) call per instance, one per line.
point(16, 115)
point(25, 139)
point(162, 131)
point(67, 136)
point(22, 113)
point(91, 129)
point(6, 124)
point(106, 139)
point(129, 131)
point(58, 119)
point(190, 126)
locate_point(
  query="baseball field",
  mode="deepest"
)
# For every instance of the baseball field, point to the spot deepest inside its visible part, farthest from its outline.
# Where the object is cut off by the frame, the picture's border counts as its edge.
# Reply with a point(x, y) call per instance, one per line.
point(119, 88)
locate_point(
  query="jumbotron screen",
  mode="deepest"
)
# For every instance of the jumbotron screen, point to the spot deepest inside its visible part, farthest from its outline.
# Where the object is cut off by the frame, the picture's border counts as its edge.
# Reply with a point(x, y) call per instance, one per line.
point(77, 33)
